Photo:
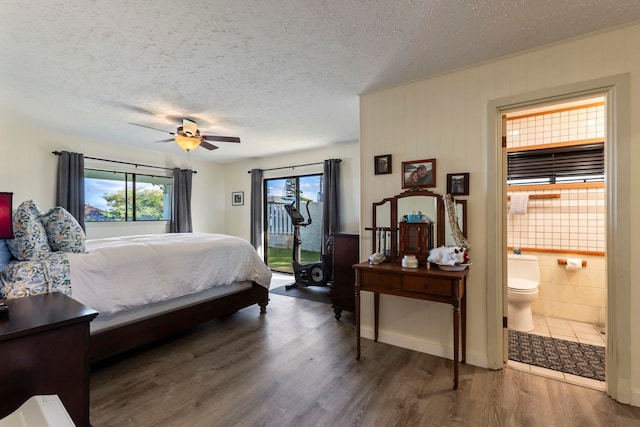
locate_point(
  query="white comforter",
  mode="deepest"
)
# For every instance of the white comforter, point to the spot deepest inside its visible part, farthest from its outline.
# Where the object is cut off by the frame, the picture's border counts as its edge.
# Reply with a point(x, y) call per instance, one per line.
point(124, 272)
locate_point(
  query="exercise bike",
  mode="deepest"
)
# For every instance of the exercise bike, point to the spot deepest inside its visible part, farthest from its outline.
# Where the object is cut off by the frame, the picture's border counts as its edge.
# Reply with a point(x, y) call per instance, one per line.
point(312, 274)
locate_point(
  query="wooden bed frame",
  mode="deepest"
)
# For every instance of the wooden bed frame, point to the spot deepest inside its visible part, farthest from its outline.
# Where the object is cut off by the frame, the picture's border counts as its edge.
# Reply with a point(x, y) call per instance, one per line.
point(114, 341)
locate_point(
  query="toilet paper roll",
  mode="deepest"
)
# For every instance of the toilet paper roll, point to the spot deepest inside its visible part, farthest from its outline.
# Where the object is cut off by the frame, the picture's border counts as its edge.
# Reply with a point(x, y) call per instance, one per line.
point(574, 264)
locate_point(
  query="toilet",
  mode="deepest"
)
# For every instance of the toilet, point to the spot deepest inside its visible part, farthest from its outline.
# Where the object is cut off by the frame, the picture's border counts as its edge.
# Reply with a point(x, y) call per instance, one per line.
point(523, 276)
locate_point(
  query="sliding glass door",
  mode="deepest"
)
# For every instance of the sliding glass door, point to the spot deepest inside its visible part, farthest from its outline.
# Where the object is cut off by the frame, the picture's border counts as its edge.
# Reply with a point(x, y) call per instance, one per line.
point(305, 193)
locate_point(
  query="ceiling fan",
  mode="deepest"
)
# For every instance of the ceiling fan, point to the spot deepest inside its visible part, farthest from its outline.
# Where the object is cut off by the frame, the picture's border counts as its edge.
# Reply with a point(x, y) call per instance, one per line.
point(188, 136)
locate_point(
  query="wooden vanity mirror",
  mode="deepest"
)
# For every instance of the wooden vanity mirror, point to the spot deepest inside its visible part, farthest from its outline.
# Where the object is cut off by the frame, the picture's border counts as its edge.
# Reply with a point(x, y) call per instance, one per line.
point(395, 236)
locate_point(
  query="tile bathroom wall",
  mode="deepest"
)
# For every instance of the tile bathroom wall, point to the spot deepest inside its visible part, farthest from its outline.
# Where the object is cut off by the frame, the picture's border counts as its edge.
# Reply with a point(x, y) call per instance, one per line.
point(576, 295)
point(558, 126)
point(574, 222)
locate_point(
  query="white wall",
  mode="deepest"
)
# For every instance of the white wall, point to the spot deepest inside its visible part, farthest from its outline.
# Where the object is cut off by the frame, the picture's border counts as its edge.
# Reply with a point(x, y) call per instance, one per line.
point(28, 169)
point(238, 179)
point(446, 118)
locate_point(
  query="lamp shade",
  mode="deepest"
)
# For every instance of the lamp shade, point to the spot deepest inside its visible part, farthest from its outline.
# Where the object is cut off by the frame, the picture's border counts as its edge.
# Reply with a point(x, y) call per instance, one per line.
point(187, 143)
point(6, 225)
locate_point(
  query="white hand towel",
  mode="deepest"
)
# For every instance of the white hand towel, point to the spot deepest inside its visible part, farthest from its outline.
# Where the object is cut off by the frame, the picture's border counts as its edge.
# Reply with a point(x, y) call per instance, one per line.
point(518, 204)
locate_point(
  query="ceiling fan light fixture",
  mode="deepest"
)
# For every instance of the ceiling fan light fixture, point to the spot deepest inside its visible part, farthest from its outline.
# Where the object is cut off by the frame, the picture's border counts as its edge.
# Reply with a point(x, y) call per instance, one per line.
point(190, 128)
point(186, 142)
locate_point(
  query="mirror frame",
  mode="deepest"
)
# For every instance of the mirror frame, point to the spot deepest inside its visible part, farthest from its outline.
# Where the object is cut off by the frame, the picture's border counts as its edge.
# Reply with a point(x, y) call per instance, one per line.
point(440, 219)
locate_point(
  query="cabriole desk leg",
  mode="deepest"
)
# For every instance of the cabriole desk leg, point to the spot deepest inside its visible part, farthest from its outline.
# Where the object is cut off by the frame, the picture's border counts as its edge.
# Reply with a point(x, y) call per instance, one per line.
point(456, 344)
point(357, 288)
point(376, 315)
point(463, 327)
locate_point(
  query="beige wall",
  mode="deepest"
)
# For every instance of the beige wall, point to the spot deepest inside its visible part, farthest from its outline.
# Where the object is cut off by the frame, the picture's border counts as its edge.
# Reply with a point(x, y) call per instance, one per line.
point(238, 179)
point(446, 118)
point(28, 169)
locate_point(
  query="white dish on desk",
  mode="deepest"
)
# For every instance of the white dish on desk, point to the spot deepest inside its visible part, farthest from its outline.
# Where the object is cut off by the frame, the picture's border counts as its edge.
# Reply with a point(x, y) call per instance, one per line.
point(457, 267)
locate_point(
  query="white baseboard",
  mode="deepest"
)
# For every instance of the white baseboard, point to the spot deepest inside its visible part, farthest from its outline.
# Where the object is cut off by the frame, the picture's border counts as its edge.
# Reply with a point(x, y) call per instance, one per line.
point(422, 346)
point(635, 398)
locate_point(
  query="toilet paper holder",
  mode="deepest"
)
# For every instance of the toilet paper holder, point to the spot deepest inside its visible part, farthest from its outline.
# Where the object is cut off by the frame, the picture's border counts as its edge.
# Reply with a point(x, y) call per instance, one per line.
point(563, 261)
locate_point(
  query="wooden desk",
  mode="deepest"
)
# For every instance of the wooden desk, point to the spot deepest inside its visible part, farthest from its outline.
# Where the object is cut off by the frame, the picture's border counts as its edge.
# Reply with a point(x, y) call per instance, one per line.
point(419, 283)
point(44, 349)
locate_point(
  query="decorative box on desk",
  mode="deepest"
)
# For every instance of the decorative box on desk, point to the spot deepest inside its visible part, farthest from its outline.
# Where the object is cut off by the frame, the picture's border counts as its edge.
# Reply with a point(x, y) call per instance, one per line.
point(416, 238)
point(44, 349)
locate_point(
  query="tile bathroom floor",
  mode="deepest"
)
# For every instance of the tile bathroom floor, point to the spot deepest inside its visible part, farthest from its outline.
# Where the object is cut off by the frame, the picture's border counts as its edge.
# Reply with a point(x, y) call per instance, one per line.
point(568, 330)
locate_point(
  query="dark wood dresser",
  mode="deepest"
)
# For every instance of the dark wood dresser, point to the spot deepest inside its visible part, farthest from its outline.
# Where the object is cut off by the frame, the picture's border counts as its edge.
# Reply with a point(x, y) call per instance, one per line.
point(346, 252)
point(44, 349)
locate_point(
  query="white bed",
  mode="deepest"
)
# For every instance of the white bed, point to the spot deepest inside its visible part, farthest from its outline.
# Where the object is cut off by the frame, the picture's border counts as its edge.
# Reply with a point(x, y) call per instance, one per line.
point(149, 286)
point(121, 273)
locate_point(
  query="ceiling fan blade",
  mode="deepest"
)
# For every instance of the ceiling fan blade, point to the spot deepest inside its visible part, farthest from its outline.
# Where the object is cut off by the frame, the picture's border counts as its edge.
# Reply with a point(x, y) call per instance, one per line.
point(221, 138)
point(132, 107)
point(207, 146)
point(149, 127)
point(166, 140)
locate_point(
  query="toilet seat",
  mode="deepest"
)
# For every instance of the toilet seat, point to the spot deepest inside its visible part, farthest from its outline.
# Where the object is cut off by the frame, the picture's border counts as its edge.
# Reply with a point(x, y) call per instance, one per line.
point(521, 291)
point(522, 286)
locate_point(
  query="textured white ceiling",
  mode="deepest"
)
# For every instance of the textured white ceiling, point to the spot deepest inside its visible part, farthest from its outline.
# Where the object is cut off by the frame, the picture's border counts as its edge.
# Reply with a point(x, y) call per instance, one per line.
point(282, 75)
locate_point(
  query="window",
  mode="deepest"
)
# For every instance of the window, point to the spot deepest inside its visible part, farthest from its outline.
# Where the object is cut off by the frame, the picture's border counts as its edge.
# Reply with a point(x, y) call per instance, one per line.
point(123, 196)
point(306, 192)
point(560, 165)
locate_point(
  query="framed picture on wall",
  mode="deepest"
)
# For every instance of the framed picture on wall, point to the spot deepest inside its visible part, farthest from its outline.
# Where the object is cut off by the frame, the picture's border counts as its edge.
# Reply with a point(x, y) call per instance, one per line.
point(237, 198)
point(382, 164)
point(419, 173)
point(458, 184)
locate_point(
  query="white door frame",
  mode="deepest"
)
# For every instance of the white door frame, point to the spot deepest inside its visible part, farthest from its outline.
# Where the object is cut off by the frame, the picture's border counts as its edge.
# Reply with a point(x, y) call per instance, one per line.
point(617, 153)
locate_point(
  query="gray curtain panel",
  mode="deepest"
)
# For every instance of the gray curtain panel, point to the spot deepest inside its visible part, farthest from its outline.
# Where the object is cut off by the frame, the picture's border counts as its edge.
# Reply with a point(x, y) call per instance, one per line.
point(70, 184)
point(181, 206)
point(257, 239)
point(330, 209)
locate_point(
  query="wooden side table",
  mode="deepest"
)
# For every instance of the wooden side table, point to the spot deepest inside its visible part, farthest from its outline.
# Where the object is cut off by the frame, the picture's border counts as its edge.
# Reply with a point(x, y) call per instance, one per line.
point(448, 287)
point(44, 349)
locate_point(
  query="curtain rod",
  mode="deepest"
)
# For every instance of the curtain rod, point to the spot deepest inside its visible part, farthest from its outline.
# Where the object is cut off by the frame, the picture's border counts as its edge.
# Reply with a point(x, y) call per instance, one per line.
point(293, 166)
point(57, 153)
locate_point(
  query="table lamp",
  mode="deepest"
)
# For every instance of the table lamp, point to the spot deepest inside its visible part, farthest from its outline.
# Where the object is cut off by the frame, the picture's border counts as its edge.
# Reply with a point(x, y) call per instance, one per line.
point(6, 225)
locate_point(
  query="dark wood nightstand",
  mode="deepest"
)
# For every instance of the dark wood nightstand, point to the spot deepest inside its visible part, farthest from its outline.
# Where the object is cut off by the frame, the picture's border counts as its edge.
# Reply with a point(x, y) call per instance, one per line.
point(44, 349)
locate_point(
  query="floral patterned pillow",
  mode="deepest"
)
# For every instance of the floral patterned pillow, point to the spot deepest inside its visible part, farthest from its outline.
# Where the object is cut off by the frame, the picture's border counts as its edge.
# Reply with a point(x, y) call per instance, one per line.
point(63, 231)
point(24, 278)
point(30, 240)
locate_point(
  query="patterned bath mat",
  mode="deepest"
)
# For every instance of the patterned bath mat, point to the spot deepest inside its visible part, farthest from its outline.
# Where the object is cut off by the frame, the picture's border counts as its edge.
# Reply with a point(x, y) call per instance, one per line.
point(584, 360)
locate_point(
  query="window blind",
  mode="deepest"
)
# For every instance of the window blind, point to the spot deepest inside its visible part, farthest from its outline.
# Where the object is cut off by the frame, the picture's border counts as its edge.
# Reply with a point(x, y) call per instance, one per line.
point(576, 163)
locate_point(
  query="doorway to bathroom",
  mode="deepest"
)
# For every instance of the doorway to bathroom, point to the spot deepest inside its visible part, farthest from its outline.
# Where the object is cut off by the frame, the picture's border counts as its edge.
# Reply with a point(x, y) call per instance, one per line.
point(556, 205)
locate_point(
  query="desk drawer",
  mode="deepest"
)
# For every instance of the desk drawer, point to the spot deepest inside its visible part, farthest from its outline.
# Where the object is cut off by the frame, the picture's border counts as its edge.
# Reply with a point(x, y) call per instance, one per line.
point(376, 279)
point(428, 285)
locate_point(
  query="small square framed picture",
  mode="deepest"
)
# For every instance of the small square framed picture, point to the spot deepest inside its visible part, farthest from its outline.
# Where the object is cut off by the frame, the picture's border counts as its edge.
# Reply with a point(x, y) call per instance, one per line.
point(458, 184)
point(237, 198)
point(382, 164)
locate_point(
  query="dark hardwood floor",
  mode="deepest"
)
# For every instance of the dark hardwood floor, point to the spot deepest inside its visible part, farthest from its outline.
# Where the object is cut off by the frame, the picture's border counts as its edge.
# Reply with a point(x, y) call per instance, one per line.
point(296, 366)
